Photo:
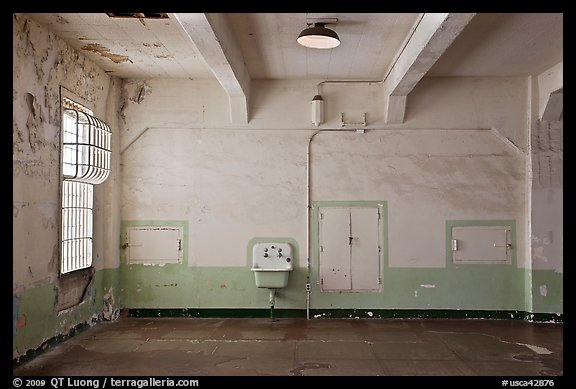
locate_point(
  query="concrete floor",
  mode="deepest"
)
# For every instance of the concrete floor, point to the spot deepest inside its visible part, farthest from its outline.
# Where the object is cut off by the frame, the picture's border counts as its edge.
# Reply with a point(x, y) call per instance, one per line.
point(300, 347)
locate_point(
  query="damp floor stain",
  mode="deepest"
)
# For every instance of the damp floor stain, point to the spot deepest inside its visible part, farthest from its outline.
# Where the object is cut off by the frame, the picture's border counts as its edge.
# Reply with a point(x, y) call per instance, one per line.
point(300, 347)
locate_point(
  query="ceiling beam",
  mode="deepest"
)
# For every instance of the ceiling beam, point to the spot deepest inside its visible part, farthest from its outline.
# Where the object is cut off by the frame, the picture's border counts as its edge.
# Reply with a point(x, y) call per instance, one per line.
point(216, 43)
point(550, 92)
point(433, 34)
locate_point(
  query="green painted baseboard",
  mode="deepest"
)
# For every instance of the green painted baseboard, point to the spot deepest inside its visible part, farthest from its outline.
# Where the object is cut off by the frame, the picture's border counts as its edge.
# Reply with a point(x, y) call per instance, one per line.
point(50, 343)
point(215, 313)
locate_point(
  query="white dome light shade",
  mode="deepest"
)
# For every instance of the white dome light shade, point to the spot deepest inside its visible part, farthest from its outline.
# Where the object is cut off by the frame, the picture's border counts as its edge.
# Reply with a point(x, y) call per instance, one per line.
point(318, 37)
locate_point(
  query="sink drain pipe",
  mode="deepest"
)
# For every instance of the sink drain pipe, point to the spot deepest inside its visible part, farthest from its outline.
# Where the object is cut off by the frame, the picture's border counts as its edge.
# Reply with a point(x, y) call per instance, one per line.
point(272, 300)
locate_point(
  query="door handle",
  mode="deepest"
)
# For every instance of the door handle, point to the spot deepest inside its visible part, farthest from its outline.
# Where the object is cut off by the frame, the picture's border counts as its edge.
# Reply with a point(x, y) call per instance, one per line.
point(507, 245)
point(350, 239)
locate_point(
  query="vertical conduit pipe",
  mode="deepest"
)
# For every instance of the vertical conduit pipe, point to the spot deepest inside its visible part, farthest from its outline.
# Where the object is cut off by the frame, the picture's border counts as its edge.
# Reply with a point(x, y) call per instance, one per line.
point(308, 209)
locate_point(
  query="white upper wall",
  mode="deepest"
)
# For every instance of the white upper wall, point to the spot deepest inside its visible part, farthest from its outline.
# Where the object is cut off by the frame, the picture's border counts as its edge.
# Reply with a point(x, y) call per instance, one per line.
point(439, 102)
point(243, 164)
point(182, 161)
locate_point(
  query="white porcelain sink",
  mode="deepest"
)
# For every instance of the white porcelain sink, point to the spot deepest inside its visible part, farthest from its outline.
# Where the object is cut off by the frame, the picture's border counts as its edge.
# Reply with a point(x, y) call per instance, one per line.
point(271, 278)
point(272, 264)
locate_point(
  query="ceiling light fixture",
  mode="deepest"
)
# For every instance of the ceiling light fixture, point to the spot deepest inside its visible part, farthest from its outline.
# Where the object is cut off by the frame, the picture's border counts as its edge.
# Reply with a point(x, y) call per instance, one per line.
point(318, 37)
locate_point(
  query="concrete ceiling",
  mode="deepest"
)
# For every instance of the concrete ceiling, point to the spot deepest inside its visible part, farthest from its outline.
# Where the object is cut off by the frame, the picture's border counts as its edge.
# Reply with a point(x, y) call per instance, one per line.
point(236, 48)
point(506, 44)
point(510, 44)
point(369, 43)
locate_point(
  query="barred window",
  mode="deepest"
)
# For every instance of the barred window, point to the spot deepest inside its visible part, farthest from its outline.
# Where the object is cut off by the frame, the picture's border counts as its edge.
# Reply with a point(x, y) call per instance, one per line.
point(85, 162)
point(85, 147)
point(77, 204)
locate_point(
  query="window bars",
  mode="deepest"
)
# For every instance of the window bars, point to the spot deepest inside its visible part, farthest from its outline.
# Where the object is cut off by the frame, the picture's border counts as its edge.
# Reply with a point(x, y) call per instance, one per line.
point(85, 162)
point(85, 147)
point(77, 204)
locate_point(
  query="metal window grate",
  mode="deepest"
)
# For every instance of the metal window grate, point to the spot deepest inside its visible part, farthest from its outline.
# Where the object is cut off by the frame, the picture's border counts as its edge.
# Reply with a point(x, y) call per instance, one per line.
point(85, 147)
point(77, 204)
point(85, 162)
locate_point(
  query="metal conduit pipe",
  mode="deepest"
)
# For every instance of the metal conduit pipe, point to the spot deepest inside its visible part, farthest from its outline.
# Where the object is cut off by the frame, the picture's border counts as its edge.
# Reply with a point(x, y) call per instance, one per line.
point(308, 189)
point(308, 209)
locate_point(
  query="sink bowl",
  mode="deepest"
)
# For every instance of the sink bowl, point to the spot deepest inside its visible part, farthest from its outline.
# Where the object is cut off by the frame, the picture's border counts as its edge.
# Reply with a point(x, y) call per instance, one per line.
point(271, 278)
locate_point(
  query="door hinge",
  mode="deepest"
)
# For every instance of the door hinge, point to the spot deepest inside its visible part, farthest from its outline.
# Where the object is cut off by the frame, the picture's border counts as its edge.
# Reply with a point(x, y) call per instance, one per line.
point(321, 281)
point(179, 244)
point(380, 280)
point(321, 216)
point(321, 249)
point(379, 249)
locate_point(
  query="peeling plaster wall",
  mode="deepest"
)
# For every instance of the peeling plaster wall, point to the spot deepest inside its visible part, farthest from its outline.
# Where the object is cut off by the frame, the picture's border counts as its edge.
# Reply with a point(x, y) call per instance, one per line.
point(547, 196)
point(234, 184)
point(177, 157)
point(547, 216)
point(41, 64)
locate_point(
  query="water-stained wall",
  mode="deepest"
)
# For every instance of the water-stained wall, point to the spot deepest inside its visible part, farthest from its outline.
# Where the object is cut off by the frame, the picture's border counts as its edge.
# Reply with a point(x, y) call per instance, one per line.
point(459, 156)
point(547, 239)
point(45, 306)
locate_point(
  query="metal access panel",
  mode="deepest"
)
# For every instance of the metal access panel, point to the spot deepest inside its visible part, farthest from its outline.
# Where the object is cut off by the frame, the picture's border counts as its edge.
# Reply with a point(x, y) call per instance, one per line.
point(475, 244)
point(154, 245)
point(335, 249)
point(349, 249)
point(365, 246)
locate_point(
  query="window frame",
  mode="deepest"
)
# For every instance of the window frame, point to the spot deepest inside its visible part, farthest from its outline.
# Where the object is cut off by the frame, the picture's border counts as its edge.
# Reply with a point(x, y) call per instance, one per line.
point(76, 193)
